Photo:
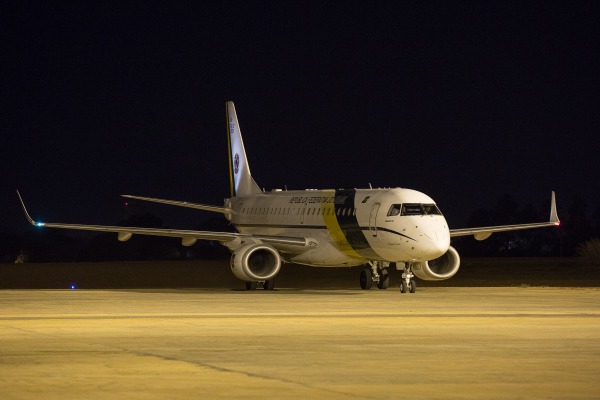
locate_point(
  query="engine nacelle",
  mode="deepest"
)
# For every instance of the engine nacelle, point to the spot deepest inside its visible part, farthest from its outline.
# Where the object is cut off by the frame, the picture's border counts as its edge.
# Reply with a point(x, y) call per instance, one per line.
point(441, 268)
point(255, 262)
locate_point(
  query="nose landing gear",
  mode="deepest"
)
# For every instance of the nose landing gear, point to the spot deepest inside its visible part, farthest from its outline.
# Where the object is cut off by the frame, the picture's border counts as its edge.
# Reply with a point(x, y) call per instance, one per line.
point(408, 283)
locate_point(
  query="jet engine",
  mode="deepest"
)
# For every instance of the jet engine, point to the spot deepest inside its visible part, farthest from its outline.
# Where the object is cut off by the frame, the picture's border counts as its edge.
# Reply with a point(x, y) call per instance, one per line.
point(441, 268)
point(255, 262)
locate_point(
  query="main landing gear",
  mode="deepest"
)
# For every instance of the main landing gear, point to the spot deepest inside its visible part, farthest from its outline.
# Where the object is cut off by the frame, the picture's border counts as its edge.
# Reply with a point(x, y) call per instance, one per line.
point(267, 285)
point(377, 273)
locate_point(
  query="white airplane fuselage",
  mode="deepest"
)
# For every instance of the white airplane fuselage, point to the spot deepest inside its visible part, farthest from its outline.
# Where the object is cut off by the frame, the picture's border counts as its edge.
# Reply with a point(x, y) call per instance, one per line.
point(346, 226)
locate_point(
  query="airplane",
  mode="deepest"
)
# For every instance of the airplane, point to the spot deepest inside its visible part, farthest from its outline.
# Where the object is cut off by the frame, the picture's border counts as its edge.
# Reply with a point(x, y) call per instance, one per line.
point(322, 228)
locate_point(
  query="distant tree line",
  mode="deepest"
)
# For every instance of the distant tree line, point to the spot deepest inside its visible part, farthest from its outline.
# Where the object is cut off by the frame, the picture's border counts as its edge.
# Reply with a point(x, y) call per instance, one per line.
point(578, 226)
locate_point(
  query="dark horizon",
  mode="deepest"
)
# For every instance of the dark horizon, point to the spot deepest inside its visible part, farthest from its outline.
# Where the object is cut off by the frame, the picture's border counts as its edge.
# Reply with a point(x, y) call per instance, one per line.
point(465, 102)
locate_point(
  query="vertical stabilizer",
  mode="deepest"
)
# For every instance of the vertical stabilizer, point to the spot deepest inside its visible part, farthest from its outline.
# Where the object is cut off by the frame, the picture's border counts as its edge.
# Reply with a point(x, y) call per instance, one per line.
point(241, 182)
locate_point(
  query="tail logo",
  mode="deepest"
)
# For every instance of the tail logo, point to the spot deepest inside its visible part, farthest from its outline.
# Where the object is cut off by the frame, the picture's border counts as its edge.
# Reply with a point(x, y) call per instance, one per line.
point(236, 163)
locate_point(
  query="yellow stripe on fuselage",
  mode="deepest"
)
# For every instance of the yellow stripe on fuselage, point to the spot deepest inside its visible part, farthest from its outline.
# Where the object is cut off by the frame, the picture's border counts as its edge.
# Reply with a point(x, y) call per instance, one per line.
point(330, 218)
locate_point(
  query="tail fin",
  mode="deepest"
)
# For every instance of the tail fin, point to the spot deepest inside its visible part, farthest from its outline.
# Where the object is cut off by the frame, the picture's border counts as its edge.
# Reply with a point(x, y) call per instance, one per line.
point(240, 180)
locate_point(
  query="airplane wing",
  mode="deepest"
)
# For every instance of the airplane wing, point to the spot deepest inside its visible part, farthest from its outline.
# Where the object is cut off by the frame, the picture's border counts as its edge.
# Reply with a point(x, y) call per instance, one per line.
point(188, 237)
point(485, 232)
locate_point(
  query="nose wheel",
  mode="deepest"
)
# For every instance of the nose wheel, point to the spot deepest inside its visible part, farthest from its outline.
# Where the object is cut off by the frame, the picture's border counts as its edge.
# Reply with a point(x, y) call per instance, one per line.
point(410, 287)
point(408, 283)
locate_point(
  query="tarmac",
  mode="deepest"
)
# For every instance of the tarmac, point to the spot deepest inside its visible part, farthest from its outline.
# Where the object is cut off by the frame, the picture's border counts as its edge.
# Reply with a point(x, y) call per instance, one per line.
point(439, 343)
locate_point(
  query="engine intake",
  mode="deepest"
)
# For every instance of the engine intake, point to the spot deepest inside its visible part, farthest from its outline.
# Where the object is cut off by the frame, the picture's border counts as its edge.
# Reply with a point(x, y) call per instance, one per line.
point(441, 268)
point(255, 262)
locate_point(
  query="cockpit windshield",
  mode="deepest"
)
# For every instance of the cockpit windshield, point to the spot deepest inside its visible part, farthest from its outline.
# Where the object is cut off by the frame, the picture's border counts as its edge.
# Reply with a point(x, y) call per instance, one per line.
point(413, 209)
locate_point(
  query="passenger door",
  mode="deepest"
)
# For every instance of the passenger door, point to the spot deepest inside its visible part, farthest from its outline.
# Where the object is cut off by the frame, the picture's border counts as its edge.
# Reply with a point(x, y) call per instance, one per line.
point(373, 219)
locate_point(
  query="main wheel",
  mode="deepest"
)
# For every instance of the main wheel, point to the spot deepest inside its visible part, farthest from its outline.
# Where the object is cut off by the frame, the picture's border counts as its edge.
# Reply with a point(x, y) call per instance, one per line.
point(250, 285)
point(384, 279)
point(365, 279)
point(269, 284)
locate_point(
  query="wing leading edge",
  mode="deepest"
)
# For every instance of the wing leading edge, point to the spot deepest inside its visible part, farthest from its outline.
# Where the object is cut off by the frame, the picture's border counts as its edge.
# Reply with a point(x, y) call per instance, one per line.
point(483, 233)
point(188, 237)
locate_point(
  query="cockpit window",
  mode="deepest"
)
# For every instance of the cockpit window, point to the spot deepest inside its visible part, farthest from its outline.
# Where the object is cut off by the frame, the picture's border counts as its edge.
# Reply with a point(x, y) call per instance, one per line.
point(413, 209)
point(420, 209)
point(431, 209)
point(394, 210)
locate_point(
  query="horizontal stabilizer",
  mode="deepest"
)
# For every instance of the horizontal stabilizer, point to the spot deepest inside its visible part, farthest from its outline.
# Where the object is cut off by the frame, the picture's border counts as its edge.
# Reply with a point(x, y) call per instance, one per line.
point(223, 210)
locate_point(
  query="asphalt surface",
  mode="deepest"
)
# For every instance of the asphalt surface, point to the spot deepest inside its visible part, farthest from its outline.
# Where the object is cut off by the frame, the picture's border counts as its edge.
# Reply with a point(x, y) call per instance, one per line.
point(441, 342)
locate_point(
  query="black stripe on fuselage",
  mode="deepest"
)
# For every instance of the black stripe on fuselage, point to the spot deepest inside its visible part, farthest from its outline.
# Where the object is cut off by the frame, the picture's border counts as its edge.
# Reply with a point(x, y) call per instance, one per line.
point(346, 217)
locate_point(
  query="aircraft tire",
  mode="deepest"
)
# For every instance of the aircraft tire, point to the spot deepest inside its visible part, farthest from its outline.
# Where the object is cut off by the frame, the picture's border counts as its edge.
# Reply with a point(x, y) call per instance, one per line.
point(269, 284)
point(250, 285)
point(384, 279)
point(413, 286)
point(365, 279)
point(402, 286)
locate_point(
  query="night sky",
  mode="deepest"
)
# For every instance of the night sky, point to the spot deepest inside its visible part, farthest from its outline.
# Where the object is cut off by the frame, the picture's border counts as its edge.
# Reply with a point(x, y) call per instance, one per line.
point(465, 101)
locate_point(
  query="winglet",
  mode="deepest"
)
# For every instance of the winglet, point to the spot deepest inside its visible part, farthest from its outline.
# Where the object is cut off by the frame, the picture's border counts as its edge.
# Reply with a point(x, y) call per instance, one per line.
point(31, 221)
point(553, 213)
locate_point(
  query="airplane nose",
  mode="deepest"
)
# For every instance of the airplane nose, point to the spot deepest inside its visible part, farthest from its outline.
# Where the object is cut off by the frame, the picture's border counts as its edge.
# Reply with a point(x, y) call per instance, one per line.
point(439, 247)
point(435, 244)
